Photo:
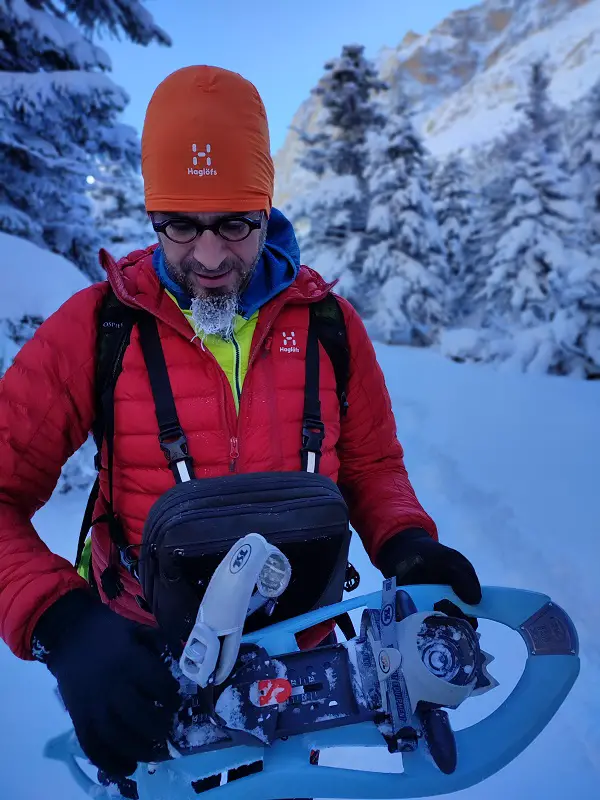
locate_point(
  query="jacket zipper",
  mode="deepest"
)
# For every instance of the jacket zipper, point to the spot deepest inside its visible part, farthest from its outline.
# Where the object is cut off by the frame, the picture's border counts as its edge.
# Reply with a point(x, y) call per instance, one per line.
point(237, 366)
point(234, 453)
point(234, 449)
point(266, 337)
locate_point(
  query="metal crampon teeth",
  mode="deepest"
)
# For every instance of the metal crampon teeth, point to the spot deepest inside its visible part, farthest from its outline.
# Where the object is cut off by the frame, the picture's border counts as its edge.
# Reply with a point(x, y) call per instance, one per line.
point(485, 679)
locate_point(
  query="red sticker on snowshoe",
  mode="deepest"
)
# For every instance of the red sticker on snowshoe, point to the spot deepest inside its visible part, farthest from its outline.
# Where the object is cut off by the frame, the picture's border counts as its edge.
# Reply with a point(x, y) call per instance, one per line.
point(273, 691)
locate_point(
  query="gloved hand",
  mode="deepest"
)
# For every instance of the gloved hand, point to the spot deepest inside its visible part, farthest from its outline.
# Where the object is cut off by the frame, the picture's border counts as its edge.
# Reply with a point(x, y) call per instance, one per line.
point(113, 678)
point(414, 557)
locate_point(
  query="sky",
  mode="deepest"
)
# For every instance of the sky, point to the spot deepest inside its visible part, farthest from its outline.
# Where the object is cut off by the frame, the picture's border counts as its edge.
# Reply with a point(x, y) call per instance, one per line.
point(281, 47)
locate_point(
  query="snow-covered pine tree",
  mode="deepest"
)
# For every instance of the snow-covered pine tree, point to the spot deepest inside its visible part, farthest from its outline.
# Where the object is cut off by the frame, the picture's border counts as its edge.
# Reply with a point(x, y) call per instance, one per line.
point(578, 321)
point(497, 172)
point(529, 292)
point(117, 16)
point(322, 218)
point(337, 208)
point(455, 212)
point(538, 229)
point(58, 117)
point(532, 318)
point(405, 272)
point(543, 119)
point(346, 91)
point(491, 175)
point(576, 326)
point(119, 210)
point(585, 162)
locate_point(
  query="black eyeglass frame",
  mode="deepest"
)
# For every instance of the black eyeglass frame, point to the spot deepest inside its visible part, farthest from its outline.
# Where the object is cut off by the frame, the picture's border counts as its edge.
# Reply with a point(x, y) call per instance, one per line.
point(161, 227)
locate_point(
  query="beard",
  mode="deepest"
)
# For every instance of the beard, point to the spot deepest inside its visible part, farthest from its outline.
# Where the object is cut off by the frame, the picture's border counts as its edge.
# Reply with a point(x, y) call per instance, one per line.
point(214, 310)
point(214, 314)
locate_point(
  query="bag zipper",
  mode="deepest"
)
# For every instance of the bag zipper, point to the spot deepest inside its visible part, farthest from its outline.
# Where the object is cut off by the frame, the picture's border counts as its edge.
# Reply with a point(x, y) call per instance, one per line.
point(265, 505)
point(261, 505)
point(266, 483)
point(195, 549)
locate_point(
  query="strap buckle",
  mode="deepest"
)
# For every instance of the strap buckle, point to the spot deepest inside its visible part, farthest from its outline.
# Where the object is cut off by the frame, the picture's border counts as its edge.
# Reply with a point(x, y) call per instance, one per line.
point(129, 561)
point(174, 445)
point(313, 433)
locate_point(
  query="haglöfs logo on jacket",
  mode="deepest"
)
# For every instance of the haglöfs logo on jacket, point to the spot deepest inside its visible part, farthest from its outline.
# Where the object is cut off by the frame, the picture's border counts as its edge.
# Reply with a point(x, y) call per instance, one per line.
point(202, 159)
point(289, 343)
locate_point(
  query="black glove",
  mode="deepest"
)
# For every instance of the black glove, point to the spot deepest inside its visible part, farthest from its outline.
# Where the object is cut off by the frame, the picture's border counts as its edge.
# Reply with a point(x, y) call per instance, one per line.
point(414, 557)
point(113, 678)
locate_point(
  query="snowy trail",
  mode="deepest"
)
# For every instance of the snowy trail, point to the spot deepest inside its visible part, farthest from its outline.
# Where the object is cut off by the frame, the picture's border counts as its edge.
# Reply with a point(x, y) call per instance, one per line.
point(506, 466)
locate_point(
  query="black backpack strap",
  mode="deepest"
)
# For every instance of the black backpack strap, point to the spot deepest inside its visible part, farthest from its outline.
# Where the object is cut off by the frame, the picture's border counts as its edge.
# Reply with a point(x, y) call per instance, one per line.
point(327, 326)
point(313, 430)
point(115, 321)
point(172, 439)
point(328, 318)
point(88, 517)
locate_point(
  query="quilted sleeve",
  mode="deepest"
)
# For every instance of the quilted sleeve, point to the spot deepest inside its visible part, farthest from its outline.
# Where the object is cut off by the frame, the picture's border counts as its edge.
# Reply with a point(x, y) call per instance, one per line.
point(46, 409)
point(372, 476)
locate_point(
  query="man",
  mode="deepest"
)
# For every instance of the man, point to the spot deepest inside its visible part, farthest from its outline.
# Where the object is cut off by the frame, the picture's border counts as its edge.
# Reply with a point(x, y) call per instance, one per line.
point(231, 303)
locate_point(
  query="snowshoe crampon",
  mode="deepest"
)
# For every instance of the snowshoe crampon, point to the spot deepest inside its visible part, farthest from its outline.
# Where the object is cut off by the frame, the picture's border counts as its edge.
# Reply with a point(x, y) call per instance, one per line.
point(257, 712)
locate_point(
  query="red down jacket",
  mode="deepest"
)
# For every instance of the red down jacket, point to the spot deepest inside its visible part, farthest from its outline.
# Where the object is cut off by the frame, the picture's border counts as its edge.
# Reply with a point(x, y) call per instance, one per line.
point(46, 412)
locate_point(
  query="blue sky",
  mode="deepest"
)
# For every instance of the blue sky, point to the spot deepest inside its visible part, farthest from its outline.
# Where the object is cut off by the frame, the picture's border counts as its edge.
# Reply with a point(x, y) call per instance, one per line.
point(281, 47)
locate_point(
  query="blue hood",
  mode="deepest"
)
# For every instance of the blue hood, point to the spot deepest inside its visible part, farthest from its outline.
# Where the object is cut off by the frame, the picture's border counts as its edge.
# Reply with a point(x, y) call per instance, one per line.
point(276, 270)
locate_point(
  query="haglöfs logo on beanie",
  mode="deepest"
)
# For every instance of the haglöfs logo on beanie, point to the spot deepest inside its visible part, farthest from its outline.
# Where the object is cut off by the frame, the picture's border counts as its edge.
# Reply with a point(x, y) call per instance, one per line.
point(202, 159)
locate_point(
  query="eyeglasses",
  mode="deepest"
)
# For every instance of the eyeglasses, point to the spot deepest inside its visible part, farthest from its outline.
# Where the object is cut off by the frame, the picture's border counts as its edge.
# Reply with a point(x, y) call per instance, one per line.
point(184, 230)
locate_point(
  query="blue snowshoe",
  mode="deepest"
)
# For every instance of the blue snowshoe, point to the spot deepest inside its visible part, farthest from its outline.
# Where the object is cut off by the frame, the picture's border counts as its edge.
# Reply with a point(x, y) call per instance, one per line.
point(258, 715)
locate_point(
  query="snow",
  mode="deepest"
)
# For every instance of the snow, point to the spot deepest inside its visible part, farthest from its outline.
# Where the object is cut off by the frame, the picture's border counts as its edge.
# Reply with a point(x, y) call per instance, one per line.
point(40, 88)
point(508, 466)
point(331, 676)
point(34, 284)
point(34, 280)
point(55, 33)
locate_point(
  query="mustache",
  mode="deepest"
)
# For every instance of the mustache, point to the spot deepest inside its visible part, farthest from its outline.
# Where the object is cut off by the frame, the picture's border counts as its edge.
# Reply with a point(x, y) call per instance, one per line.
point(228, 264)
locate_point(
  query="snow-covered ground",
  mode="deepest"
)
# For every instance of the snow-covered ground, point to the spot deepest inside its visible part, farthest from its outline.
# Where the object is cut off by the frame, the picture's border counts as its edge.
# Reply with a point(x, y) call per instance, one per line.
point(34, 284)
point(508, 466)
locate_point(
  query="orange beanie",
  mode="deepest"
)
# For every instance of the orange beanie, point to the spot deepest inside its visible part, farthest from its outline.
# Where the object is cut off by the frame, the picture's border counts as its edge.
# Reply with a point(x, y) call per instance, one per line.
point(205, 144)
